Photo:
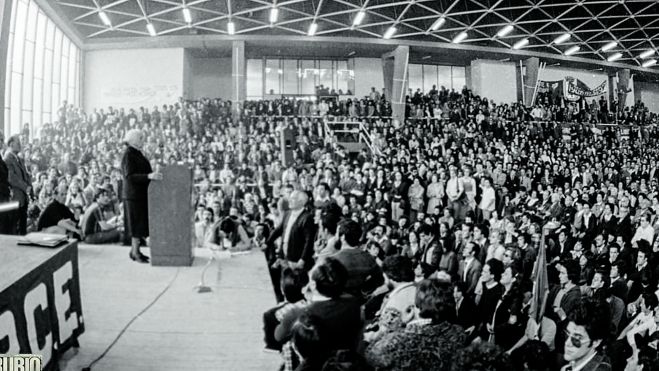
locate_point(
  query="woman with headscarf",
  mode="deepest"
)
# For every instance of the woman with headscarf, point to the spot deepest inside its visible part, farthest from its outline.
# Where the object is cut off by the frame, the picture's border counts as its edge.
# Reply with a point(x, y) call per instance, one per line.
point(137, 174)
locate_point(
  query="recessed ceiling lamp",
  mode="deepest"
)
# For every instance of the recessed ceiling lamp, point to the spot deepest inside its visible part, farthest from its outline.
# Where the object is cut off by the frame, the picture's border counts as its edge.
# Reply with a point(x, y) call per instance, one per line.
point(104, 18)
point(460, 37)
point(649, 63)
point(614, 57)
point(359, 18)
point(563, 38)
point(572, 50)
point(438, 23)
point(390, 32)
point(521, 43)
point(187, 16)
point(151, 29)
point(313, 27)
point(646, 54)
point(609, 46)
point(274, 14)
point(505, 31)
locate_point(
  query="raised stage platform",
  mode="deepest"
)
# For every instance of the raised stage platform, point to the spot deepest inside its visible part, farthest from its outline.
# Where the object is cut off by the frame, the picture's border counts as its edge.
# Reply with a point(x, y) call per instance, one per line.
point(183, 330)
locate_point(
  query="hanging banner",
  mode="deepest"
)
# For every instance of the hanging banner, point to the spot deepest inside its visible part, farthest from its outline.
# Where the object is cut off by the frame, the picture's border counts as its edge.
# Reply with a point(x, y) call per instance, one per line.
point(576, 89)
point(571, 89)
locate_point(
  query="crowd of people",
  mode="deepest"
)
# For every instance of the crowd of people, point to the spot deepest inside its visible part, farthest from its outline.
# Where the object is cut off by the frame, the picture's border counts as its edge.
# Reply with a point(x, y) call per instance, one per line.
point(419, 257)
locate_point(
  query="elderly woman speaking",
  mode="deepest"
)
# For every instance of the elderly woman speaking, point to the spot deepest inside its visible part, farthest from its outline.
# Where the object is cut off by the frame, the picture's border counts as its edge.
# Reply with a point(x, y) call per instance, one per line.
point(137, 174)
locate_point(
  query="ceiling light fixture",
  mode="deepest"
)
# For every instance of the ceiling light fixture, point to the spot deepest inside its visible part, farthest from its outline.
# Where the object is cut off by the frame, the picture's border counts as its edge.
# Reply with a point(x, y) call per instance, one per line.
point(151, 29)
point(505, 31)
point(460, 37)
point(390, 32)
point(313, 27)
point(104, 17)
point(649, 63)
point(274, 15)
point(614, 57)
point(521, 43)
point(572, 50)
point(231, 28)
point(359, 18)
point(187, 16)
point(563, 38)
point(609, 46)
point(646, 54)
point(438, 23)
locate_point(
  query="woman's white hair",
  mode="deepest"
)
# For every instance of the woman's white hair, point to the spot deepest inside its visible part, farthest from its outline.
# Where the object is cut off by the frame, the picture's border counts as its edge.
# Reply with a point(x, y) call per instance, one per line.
point(133, 138)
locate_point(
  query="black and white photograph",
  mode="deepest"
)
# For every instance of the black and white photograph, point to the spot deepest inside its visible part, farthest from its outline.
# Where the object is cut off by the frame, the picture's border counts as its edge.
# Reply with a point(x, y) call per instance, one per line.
point(329, 185)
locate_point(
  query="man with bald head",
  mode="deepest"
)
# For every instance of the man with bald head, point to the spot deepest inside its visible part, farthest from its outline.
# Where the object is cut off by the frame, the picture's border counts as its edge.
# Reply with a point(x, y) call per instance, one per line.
point(296, 232)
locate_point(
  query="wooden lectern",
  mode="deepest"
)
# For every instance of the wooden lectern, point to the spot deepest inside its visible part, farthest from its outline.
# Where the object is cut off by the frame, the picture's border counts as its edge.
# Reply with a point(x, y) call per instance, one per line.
point(171, 217)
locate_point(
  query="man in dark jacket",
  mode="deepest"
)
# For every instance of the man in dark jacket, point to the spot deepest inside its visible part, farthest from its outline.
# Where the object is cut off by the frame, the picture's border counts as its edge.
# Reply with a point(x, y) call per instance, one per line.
point(5, 192)
point(364, 274)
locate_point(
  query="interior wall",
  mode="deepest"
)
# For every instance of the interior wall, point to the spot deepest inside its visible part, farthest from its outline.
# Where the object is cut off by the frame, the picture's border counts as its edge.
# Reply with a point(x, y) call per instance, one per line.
point(368, 74)
point(210, 78)
point(132, 78)
point(494, 80)
point(649, 94)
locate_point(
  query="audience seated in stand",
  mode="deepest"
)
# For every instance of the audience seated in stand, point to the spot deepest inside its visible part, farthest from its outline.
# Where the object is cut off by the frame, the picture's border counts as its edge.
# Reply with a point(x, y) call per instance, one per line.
point(463, 188)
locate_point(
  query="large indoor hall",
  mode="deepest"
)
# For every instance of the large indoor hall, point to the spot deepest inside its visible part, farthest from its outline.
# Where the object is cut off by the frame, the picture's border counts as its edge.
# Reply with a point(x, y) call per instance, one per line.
point(329, 185)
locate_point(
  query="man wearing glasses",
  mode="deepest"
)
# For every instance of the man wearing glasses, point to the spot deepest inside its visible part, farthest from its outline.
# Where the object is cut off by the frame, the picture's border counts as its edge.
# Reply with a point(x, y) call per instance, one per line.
point(588, 325)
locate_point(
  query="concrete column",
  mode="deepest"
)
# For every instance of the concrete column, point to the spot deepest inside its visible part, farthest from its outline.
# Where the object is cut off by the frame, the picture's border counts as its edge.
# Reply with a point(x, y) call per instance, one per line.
point(238, 78)
point(623, 87)
point(388, 74)
point(468, 78)
point(5, 20)
point(612, 88)
point(530, 79)
point(395, 76)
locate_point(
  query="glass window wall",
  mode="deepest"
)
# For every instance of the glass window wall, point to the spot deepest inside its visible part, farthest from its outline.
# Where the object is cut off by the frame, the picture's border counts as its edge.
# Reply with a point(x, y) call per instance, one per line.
point(43, 69)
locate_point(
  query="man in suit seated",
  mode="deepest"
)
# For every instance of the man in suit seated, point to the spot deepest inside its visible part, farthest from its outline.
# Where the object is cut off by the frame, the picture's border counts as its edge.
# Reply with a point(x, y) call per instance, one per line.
point(469, 268)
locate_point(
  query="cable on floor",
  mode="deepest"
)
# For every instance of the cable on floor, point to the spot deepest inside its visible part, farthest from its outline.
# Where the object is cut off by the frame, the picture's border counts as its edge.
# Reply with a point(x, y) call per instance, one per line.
point(123, 330)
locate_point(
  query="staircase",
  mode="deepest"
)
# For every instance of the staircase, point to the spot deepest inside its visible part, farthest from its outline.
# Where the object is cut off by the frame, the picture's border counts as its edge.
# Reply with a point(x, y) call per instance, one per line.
point(351, 135)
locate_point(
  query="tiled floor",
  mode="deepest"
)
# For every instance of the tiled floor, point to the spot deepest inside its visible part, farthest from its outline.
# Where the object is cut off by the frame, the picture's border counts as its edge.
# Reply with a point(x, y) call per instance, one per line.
point(183, 330)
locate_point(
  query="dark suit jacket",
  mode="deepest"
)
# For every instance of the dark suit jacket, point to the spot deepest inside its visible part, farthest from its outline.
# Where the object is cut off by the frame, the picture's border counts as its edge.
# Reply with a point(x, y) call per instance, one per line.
point(5, 187)
point(466, 313)
point(135, 169)
point(18, 177)
point(300, 241)
point(569, 301)
point(598, 363)
point(473, 274)
point(619, 289)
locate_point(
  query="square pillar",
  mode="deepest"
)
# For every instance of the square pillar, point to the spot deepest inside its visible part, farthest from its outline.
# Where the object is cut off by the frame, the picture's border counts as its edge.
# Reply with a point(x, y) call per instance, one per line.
point(395, 71)
point(238, 78)
point(530, 79)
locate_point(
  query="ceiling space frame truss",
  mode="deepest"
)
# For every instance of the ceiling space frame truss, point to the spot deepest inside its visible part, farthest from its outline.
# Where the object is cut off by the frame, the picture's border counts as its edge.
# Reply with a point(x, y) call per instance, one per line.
point(632, 24)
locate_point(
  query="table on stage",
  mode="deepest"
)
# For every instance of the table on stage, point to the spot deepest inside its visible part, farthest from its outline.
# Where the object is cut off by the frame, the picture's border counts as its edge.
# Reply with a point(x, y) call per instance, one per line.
point(40, 306)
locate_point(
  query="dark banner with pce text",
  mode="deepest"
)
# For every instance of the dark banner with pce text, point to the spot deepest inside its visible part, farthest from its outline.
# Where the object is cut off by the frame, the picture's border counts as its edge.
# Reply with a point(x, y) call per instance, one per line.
point(41, 313)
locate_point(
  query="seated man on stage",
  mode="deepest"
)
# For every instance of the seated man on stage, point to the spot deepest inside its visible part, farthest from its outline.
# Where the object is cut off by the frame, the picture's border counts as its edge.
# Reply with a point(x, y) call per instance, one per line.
point(96, 229)
point(57, 218)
